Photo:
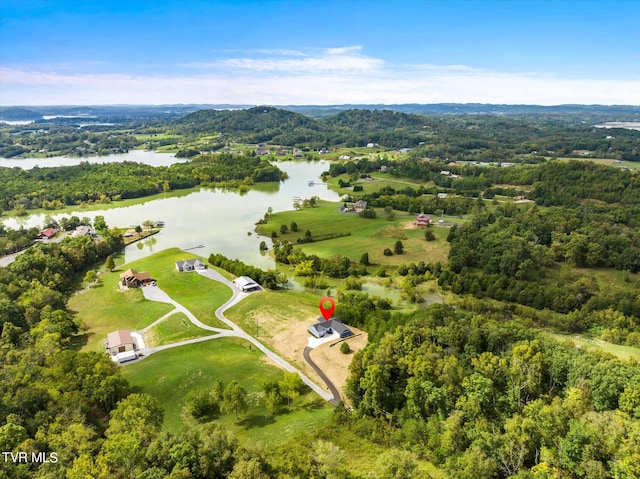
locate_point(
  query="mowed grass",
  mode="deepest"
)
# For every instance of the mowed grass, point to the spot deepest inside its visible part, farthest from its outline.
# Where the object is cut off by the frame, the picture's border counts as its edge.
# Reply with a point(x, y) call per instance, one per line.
point(175, 328)
point(106, 308)
point(381, 180)
point(366, 235)
point(200, 295)
point(169, 376)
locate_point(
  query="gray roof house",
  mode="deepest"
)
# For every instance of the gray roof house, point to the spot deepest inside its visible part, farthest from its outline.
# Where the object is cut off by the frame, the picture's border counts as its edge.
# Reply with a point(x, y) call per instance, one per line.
point(333, 325)
point(190, 265)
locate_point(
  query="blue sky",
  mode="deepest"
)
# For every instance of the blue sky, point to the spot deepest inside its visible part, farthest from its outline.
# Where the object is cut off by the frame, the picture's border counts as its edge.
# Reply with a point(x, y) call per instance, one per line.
point(319, 52)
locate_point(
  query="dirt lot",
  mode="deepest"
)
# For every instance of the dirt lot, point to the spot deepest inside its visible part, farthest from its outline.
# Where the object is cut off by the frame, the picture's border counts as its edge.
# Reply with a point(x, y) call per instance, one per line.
point(333, 362)
point(288, 335)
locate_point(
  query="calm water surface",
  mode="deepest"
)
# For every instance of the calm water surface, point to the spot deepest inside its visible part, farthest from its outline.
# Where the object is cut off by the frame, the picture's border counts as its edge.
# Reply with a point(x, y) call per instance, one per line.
point(218, 219)
point(140, 156)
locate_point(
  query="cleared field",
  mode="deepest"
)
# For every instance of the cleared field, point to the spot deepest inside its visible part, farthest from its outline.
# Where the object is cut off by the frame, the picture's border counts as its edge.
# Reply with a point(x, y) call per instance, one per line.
point(365, 235)
point(171, 374)
point(176, 327)
point(281, 320)
point(106, 308)
point(606, 161)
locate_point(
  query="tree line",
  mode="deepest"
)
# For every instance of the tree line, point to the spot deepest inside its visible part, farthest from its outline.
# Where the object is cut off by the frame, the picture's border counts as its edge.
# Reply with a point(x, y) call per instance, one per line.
point(52, 188)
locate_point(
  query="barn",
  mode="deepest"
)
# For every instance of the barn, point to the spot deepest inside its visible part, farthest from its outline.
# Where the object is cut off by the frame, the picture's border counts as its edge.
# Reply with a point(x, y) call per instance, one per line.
point(246, 284)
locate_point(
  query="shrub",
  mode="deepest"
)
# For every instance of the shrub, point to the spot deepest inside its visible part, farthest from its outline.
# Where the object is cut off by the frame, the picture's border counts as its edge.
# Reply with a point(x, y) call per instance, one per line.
point(345, 348)
point(387, 252)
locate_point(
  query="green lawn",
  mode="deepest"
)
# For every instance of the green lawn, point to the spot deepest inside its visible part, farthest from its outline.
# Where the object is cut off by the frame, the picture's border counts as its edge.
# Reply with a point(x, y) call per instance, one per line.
point(169, 375)
point(381, 180)
point(175, 328)
point(366, 235)
point(105, 308)
point(198, 294)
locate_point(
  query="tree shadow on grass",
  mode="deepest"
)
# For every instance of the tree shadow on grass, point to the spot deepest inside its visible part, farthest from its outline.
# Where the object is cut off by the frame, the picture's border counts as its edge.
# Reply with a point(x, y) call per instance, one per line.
point(254, 420)
point(317, 403)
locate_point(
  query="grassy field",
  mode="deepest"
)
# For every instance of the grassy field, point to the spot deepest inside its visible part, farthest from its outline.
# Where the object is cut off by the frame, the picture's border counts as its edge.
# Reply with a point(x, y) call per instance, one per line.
point(171, 374)
point(176, 327)
point(366, 235)
point(106, 308)
point(380, 181)
point(606, 161)
point(89, 207)
point(620, 351)
point(199, 295)
point(279, 306)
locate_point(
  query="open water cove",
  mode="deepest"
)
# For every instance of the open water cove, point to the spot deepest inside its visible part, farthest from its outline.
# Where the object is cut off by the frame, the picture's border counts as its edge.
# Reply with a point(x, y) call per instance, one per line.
point(220, 220)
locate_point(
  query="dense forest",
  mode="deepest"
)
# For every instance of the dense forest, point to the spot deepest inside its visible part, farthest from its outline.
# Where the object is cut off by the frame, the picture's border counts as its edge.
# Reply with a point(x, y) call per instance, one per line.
point(486, 398)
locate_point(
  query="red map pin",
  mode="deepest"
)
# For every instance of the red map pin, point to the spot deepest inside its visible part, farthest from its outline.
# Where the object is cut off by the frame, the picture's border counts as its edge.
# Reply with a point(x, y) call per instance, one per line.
point(327, 313)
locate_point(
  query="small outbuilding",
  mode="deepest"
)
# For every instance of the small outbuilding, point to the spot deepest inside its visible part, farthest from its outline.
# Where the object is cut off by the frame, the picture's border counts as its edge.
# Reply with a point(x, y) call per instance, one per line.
point(333, 325)
point(47, 233)
point(246, 284)
point(120, 342)
point(190, 265)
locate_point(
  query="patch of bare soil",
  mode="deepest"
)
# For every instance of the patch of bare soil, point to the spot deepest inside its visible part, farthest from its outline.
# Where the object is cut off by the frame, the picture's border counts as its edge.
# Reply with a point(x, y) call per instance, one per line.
point(288, 337)
point(409, 225)
point(336, 364)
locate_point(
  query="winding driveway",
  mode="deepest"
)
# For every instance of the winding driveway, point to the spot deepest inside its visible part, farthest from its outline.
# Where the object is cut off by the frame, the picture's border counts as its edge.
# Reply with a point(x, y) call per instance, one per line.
point(334, 390)
point(154, 293)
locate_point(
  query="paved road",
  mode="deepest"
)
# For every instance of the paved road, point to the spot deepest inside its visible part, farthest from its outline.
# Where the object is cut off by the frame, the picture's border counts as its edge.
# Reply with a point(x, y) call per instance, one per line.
point(334, 390)
point(154, 293)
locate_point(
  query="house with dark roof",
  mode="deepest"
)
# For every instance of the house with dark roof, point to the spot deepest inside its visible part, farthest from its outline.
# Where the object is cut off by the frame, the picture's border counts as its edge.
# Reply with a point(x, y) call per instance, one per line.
point(190, 265)
point(323, 328)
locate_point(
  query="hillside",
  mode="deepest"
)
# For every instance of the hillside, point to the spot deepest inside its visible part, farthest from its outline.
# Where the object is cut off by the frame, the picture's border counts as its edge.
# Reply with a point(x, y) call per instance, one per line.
point(253, 125)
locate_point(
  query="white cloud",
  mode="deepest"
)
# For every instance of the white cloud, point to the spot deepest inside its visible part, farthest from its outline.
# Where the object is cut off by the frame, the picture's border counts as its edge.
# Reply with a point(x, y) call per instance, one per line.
point(312, 76)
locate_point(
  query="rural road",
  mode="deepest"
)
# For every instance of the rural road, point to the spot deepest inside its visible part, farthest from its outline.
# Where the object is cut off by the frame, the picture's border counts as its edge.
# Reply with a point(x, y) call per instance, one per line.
point(154, 293)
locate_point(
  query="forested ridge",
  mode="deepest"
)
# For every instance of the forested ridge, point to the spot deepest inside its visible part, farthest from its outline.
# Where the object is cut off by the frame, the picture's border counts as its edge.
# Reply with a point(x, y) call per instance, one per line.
point(52, 188)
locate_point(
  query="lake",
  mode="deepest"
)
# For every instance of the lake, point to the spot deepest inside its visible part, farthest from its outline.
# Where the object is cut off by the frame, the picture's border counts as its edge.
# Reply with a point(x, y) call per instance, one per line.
point(139, 156)
point(216, 218)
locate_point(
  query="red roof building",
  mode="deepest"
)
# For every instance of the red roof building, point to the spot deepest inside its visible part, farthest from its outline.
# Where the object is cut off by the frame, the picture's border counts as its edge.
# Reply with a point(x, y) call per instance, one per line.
point(422, 220)
point(48, 233)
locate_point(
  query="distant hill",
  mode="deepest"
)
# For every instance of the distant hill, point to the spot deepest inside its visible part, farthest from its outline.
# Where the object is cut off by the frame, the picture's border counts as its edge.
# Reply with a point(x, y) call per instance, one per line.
point(470, 108)
point(253, 125)
point(16, 113)
point(375, 119)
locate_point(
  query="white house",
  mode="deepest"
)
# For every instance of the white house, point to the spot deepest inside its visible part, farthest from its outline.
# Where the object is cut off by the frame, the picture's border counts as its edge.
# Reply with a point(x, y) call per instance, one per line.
point(246, 284)
point(190, 265)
